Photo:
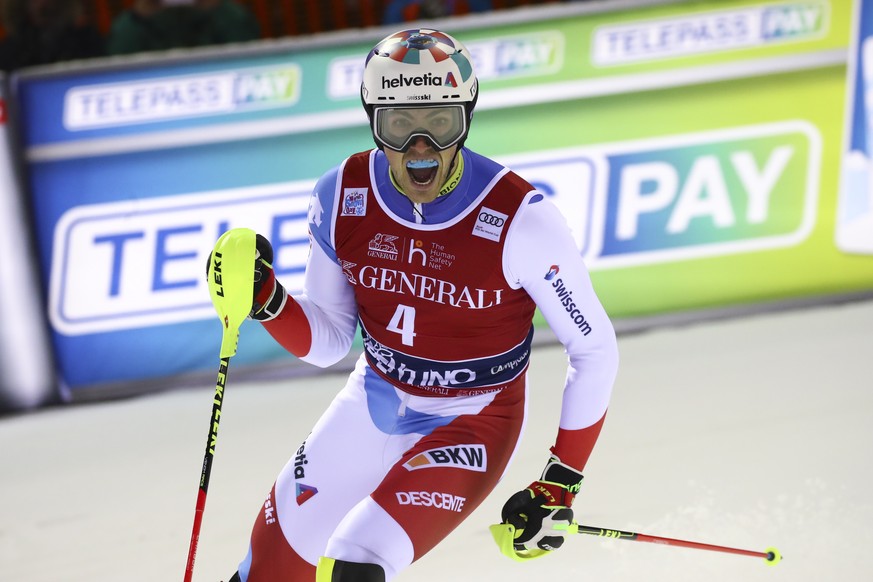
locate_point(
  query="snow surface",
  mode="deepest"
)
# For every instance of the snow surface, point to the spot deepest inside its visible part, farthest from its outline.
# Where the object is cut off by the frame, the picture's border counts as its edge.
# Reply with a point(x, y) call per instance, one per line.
point(750, 432)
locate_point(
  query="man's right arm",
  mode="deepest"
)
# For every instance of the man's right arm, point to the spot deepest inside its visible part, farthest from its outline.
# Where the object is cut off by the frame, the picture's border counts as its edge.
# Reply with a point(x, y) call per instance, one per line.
point(318, 325)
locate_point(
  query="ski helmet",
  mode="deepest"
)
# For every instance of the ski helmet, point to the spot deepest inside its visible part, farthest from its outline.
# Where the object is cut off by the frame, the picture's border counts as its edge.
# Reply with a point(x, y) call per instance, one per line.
point(419, 68)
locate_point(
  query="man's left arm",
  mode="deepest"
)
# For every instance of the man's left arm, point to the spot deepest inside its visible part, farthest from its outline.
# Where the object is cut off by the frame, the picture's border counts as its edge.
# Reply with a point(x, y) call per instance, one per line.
point(542, 257)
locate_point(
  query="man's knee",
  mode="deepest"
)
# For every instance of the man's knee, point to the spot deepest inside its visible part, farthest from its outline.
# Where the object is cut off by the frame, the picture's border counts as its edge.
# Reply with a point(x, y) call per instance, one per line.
point(330, 570)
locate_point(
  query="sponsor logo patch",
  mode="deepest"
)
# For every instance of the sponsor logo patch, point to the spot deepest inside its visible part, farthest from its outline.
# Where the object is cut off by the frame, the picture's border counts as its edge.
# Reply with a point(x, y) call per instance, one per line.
point(430, 288)
point(269, 511)
point(300, 462)
point(468, 457)
point(429, 254)
point(434, 499)
point(565, 296)
point(489, 224)
point(426, 80)
point(553, 271)
point(382, 246)
point(305, 493)
point(354, 202)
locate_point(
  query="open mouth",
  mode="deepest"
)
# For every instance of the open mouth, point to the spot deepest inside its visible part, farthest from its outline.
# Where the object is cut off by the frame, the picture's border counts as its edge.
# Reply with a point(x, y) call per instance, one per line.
point(422, 172)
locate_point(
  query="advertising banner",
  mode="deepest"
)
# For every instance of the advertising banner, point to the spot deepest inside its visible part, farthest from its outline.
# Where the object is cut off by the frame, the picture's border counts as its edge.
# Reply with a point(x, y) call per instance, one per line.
point(27, 379)
point(694, 149)
point(854, 233)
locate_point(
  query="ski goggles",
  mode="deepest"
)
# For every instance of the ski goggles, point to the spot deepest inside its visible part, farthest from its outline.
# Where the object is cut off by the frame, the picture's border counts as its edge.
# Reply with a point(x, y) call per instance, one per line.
point(398, 127)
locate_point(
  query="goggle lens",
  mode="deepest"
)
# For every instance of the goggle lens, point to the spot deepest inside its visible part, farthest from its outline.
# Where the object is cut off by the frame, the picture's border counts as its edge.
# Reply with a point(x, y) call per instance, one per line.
point(398, 127)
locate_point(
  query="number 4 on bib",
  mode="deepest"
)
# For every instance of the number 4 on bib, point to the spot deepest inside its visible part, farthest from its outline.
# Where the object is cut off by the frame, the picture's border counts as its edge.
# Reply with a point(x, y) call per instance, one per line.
point(403, 322)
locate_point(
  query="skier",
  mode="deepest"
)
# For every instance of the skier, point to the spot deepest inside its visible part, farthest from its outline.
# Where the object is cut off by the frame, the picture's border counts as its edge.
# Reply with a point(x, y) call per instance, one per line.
point(441, 256)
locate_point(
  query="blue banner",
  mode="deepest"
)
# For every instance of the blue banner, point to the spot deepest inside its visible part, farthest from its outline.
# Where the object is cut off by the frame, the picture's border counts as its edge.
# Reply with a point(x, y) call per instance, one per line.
point(854, 232)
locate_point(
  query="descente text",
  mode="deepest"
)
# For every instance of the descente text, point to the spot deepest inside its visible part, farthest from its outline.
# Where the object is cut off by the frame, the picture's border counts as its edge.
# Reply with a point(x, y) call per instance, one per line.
point(435, 499)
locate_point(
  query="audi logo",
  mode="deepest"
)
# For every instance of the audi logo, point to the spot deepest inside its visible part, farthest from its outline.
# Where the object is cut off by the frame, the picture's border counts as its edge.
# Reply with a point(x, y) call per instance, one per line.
point(490, 219)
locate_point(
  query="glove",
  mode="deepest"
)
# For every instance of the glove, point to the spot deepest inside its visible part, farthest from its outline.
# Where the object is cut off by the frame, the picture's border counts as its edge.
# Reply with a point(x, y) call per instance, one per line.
point(269, 295)
point(537, 519)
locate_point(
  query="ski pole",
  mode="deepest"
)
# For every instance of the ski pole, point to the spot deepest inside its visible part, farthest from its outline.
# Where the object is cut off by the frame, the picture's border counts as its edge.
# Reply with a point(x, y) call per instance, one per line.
point(771, 555)
point(230, 276)
point(207, 466)
point(504, 536)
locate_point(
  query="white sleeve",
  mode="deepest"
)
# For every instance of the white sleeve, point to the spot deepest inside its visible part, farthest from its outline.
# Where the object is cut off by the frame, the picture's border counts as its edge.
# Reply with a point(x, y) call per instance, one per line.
point(541, 256)
point(328, 301)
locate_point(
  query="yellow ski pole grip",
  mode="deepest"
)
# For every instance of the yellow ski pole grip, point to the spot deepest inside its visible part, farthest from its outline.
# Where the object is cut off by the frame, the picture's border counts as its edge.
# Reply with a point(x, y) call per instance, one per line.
point(231, 278)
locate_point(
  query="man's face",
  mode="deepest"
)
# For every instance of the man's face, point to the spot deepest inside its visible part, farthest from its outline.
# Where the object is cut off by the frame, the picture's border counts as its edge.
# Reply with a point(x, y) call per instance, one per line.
point(421, 171)
point(422, 168)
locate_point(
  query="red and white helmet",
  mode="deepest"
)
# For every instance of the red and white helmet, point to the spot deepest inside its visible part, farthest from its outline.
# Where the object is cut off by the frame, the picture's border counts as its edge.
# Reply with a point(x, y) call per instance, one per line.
point(419, 68)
